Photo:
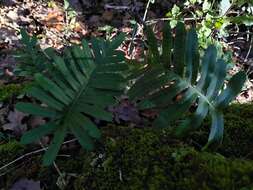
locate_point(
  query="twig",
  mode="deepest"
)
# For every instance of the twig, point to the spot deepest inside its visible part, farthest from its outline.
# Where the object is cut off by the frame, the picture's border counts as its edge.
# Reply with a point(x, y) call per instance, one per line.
point(146, 11)
point(107, 6)
point(250, 48)
point(138, 28)
point(149, 22)
point(31, 153)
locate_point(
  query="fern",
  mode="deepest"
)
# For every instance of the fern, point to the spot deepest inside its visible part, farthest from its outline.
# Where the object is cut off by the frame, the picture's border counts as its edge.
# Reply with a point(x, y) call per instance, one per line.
point(175, 80)
point(32, 59)
point(80, 86)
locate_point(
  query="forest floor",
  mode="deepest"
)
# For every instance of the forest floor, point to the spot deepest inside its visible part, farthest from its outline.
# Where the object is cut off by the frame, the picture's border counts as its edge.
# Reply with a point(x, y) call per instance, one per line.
point(58, 26)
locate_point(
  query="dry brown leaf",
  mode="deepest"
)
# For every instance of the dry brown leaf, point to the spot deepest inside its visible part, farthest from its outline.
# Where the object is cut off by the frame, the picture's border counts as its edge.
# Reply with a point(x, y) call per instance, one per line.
point(107, 15)
point(55, 20)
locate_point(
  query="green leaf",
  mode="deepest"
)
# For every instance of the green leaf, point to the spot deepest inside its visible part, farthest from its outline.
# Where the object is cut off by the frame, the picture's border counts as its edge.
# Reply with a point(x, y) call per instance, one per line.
point(35, 110)
point(179, 49)
point(194, 121)
point(176, 110)
point(166, 45)
point(172, 91)
point(217, 128)
point(46, 98)
point(54, 147)
point(192, 55)
point(66, 73)
point(117, 41)
point(82, 135)
point(244, 19)
point(51, 87)
point(233, 89)
point(152, 43)
point(38, 132)
point(208, 64)
point(77, 89)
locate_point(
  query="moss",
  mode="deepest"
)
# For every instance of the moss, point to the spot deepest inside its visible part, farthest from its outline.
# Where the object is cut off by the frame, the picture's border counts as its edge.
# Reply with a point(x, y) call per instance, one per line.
point(149, 159)
point(7, 91)
point(238, 132)
point(142, 159)
point(10, 150)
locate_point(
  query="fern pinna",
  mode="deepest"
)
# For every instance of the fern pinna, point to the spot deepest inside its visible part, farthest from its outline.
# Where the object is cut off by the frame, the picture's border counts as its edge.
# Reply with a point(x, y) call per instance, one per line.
point(78, 87)
point(174, 80)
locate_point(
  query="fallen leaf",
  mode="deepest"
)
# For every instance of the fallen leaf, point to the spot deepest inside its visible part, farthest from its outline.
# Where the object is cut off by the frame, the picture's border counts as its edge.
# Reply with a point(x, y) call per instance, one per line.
point(125, 111)
point(35, 121)
point(25, 184)
point(15, 123)
point(107, 15)
point(55, 19)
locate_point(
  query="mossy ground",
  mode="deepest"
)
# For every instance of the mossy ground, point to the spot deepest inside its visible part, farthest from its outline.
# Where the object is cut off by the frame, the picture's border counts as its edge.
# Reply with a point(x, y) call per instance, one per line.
point(148, 159)
point(6, 91)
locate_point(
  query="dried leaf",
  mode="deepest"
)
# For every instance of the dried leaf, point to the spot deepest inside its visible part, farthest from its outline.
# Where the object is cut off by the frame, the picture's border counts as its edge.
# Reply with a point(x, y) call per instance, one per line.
point(15, 122)
point(25, 184)
point(125, 111)
point(35, 121)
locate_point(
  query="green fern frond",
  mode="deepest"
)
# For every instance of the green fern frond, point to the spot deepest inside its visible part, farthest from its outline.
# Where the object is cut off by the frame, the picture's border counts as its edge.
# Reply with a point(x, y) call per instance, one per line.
point(173, 82)
point(79, 88)
point(31, 58)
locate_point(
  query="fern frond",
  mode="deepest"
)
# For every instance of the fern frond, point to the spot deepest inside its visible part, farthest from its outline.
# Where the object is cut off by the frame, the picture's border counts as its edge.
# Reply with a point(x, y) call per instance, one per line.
point(79, 88)
point(179, 81)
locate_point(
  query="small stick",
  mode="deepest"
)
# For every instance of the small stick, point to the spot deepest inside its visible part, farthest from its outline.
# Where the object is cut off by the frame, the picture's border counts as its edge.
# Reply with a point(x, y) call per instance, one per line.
point(31, 153)
point(146, 11)
point(250, 48)
point(107, 6)
point(149, 22)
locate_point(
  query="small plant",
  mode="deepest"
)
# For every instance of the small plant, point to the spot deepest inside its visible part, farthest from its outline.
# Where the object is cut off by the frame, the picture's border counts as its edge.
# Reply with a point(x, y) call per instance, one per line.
point(80, 85)
point(212, 17)
point(77, 88)
point(175, 80)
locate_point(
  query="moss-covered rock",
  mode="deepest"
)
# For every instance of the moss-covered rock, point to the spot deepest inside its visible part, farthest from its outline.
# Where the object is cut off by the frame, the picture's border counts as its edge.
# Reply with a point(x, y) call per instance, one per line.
point(238, 132)
point(128, 158)
point(142, 159)
point(6, 91)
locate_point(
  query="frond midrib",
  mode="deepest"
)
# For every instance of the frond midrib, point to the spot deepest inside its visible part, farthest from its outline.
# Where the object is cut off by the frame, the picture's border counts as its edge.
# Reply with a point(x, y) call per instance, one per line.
point(195, 89)
point(80, 92)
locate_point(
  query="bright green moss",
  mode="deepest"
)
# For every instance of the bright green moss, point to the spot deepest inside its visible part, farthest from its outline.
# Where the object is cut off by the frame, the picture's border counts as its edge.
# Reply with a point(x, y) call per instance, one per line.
point(6, 91)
